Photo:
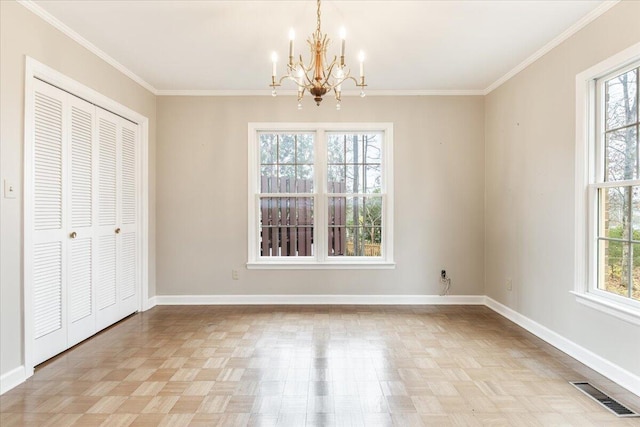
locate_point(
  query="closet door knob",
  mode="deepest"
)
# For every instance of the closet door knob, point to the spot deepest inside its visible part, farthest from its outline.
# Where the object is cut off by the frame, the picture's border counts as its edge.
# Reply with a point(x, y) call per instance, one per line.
point(118, 230)
point(73, 234)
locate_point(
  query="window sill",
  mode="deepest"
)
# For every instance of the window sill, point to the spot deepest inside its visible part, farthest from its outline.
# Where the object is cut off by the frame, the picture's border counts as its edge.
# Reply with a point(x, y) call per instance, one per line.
point(378, 265)
point(621, 311)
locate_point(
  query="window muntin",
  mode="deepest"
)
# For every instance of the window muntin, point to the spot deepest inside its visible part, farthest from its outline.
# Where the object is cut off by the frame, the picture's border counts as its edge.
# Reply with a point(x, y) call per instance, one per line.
point(359, 232)
point(286, 194)
point(286, 162)
point(618, 188)
point(286, 226)
point(319, 195)
point(356, 160)
point(354, 182)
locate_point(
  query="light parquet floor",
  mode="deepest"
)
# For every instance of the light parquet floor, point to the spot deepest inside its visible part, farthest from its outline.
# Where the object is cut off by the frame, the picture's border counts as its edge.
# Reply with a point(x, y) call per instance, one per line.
point(311, 366)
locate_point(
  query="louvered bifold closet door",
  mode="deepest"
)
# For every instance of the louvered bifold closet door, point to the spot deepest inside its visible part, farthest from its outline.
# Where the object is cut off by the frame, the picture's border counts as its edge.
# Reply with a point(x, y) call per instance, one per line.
point(49, 239)
point(81, 201)
point(108, 310)
point(82, 256)
point(118, 271)
point(128, 213)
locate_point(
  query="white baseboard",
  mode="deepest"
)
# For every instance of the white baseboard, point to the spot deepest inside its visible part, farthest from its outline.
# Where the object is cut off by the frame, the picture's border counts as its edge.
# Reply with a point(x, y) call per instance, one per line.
point(12, 379)
point(319, 299)
point(614, 372)
point(149, 304)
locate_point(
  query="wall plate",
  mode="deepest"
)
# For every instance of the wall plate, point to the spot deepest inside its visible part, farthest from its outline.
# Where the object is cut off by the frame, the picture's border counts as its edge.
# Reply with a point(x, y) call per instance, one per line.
point(9, 190)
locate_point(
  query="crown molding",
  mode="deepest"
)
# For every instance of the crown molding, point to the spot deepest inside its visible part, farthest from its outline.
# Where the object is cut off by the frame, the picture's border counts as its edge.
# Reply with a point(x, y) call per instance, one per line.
point(425, 92)
point(59, 25)
point(220, 92)
point(583, 22)
point(204, 92)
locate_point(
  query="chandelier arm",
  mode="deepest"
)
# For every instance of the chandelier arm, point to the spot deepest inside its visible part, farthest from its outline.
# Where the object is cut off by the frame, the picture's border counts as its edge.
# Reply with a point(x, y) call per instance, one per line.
point(300, 63)
point(281, 80)
point(292, 71)
point(299, 84)
point(337, 83)
point(346, 75)
point(306, 69)
point(328, 74)
point(356, 81)
point(305, 75)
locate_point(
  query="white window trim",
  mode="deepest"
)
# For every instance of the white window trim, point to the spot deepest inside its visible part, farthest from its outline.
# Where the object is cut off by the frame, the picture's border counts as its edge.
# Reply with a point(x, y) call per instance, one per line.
point(320, 260)
point(585, 262)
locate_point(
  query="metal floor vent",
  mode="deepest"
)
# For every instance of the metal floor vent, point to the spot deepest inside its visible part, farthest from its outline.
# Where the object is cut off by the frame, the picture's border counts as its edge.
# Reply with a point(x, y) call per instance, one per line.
point(608, 402)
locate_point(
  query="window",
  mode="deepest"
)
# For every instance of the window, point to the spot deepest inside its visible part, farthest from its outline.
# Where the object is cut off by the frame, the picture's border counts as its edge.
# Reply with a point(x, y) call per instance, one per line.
point(320, 196)
point(617, 185)
point(608, 186)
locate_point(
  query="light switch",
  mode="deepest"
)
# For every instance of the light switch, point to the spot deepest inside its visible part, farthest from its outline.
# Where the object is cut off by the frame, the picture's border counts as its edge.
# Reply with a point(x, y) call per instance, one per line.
point(9, 190)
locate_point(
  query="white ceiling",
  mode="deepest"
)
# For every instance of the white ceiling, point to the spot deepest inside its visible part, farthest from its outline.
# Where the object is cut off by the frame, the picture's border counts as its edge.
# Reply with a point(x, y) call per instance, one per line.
point(410, 46)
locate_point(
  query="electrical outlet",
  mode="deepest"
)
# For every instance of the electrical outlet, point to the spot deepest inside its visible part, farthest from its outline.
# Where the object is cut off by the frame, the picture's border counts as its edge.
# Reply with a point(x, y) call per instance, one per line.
point(509, 284)
point(234, 275)
point(443, 274)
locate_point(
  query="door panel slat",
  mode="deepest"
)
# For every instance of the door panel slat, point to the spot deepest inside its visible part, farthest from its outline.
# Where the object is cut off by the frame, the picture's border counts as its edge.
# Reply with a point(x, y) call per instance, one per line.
point(128, 263)
point(47, 164)
point(47, 288)
point(81, 168)
point(107, 172)
point(106, 289)
point(80, 280)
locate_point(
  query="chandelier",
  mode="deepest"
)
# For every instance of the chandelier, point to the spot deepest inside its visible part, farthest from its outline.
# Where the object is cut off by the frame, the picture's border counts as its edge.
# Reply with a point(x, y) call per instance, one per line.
point(319, 76)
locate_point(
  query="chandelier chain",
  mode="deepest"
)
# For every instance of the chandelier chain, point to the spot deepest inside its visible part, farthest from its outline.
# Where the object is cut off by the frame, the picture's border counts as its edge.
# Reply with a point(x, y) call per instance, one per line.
point(318, 29)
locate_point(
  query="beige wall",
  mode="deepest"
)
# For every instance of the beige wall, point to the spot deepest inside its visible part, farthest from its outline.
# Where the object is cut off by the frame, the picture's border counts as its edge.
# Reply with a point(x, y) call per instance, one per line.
point(22, 33)
point(529, 228)
point(202, 195)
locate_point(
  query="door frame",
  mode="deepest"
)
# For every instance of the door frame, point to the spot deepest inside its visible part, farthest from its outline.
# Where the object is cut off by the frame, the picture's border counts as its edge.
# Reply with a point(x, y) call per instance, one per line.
point(35, 69)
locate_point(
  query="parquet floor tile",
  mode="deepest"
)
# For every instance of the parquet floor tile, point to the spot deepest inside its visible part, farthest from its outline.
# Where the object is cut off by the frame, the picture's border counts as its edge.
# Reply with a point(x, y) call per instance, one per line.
point(311, 366)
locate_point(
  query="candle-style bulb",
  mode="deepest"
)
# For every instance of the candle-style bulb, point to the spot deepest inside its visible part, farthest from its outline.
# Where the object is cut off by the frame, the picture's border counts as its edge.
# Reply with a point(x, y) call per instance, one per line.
point(274, 60)
point(343, 36)
point(292, 36)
